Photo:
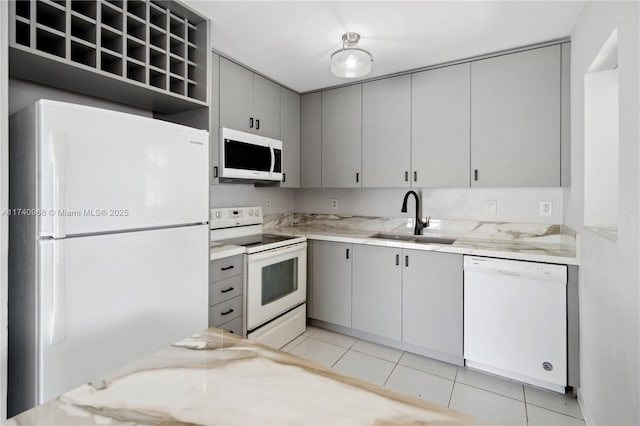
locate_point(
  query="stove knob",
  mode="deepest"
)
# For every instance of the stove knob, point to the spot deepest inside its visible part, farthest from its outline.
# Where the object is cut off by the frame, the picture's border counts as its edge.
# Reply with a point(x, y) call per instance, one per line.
point(250, 212)
point(257, 213)
point(218, 215)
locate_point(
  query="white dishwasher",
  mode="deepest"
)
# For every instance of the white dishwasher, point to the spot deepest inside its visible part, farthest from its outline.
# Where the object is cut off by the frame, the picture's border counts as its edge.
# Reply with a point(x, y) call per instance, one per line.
point(515, 320)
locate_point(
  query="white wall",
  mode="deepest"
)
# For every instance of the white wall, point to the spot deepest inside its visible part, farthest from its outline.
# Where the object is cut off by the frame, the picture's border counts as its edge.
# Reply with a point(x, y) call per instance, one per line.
point(513, 204)
point(237, 195)
point(609, 270)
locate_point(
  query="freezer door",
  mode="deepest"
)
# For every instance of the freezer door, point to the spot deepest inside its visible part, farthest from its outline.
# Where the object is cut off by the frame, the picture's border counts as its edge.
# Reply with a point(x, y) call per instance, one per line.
point(109, 171)
point(108, 300)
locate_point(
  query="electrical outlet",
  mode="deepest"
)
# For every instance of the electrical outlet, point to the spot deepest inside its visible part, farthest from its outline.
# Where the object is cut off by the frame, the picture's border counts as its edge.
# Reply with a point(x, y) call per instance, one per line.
point(268, 203)
point(546, 208)
point(492, 207)
point(334, 204)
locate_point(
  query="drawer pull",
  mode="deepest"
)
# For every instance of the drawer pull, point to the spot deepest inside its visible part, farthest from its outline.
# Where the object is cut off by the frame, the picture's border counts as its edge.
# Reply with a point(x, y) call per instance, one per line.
point(226, 268)
point(226, 290)
point(227, 312)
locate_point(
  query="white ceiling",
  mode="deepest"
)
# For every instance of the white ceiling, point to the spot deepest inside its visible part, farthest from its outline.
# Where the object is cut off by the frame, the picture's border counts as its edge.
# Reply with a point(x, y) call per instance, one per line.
point(291, 41)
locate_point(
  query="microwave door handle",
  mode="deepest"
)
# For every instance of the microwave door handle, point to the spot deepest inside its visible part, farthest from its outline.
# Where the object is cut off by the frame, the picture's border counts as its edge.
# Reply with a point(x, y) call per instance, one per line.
point(273, 159)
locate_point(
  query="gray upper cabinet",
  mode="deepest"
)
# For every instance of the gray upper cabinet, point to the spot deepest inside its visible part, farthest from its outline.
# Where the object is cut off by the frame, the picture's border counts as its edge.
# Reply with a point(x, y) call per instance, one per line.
point(432, 304)
point(236, 96)
point(342, 137)
point(386, 133)
point(266, 107)
point(515, 119)
point(290, 132)
point(311, 140)
point(331, 282)
point(248, 102)
point(440, 127)
point(214, 120)
point(377, 290)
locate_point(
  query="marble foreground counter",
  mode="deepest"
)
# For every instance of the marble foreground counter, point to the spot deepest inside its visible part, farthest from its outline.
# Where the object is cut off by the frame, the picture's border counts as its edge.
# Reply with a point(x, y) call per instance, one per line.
point(215, 378)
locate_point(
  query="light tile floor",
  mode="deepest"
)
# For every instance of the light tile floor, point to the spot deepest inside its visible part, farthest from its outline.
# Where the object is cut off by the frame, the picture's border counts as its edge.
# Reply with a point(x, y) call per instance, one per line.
point(489, 398)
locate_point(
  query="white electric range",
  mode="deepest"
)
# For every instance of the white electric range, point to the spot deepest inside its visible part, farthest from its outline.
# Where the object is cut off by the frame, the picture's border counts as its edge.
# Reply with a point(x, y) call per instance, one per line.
point(275, 286)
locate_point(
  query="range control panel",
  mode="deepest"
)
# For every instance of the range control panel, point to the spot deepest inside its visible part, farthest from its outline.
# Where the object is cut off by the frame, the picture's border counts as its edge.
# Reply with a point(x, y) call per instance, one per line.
point(235, 216)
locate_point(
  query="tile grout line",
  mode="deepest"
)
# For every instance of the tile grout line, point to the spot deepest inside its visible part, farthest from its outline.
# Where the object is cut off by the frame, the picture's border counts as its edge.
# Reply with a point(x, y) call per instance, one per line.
point(341, 356)
point(455, 378)
point(392, 370)
point(526, 411)
point(374, 356)
point(428, 372)
point(556, 411)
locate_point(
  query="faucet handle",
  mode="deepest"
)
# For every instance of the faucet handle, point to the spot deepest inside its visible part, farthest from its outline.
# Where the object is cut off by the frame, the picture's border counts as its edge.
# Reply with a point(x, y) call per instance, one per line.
point(426, 222)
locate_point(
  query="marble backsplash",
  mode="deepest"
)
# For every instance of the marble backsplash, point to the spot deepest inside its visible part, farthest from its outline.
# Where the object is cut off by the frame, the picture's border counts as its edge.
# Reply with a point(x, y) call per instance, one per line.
point(461, 229)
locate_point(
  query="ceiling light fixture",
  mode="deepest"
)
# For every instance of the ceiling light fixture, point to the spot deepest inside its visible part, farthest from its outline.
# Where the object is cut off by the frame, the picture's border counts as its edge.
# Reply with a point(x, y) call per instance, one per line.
point(351, 61)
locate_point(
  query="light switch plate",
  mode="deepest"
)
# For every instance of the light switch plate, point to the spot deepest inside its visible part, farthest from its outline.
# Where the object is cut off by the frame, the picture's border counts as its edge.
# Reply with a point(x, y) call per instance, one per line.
point(546, 208)
point(492, 207)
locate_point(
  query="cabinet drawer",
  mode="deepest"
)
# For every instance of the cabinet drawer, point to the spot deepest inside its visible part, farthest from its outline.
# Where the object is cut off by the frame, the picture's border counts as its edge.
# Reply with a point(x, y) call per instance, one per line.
point(225, 311)
point(225, 268)
point(222, 290)
point(233, 326)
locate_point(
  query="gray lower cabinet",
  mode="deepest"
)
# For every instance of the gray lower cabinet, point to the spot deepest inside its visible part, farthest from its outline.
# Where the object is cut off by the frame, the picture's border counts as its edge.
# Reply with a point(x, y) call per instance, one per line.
point(377, 291)
point(386, 133)
point(248, 102)
point(440, 133)
point(290, 132)
point(515, 119)
point(226, 294)
point(331, 282)
point(432, 285)
point(342, 137)
point(311, 140)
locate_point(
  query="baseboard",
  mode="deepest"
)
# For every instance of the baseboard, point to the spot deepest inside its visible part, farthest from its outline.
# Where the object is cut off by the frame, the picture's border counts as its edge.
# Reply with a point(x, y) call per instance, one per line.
point(586, 413)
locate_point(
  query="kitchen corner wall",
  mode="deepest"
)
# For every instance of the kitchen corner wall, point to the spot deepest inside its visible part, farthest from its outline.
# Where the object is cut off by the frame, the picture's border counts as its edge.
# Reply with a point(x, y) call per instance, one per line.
point(609, 268)
point(513, 204)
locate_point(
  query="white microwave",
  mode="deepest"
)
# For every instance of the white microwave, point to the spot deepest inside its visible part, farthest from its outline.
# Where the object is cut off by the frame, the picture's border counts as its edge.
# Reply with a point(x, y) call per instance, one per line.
point(247, 156)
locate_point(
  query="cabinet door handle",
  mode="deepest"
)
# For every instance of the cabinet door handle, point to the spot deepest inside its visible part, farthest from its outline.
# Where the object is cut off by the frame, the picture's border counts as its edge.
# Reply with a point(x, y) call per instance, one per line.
point(226, 268)
point(226, 290)
point(406, 261)
point(357, 176)
point(226, 312)
point(415, 176)
point(347, 253)
point(251, 122)
point(397, 259)
point(406, 176)
point(475, 174)
point(257, 124)
point(215, 171)
point(284, 177)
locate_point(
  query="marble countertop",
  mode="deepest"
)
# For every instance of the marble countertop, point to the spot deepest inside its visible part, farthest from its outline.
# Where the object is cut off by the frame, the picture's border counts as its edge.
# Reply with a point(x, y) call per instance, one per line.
point(515, 249)
point(215, 378)
point(220, 251)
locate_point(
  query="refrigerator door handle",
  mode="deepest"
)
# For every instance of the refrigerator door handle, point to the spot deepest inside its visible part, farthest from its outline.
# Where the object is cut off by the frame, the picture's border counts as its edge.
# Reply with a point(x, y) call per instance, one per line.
point(59, 300)
point(58, 143)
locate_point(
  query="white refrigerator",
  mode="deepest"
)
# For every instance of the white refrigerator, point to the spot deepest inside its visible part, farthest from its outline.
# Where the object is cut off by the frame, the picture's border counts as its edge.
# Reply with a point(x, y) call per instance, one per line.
point(108, 244)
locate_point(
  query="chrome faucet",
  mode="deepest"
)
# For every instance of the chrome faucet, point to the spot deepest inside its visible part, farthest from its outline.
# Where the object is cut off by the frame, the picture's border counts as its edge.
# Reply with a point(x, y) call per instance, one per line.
point(417, 230)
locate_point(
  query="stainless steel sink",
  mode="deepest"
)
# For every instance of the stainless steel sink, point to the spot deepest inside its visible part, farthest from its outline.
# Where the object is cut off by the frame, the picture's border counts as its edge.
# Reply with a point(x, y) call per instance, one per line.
point(424, 239)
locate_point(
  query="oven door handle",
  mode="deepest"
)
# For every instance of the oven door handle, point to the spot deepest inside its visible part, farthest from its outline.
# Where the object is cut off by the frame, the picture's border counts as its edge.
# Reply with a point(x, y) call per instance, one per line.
point(277, 252)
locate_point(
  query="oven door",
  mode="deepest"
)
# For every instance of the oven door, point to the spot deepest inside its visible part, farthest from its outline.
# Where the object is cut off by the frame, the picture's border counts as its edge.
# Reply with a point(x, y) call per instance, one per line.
point(276, 282)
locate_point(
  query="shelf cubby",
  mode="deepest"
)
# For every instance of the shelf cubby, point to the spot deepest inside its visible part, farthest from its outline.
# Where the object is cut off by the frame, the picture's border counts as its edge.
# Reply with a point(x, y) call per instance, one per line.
point(136, 71)
point(84, 7)
point(83, 28)
point(150, 54)
point(23, 9)
point(83, 54)
point(136, 28)
point(110, 62)
point(111, 39)
point(51, 15)
point(111, 16)
point(137, 8)
point(23, 32)
point(50, 41)
point(136, 49)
